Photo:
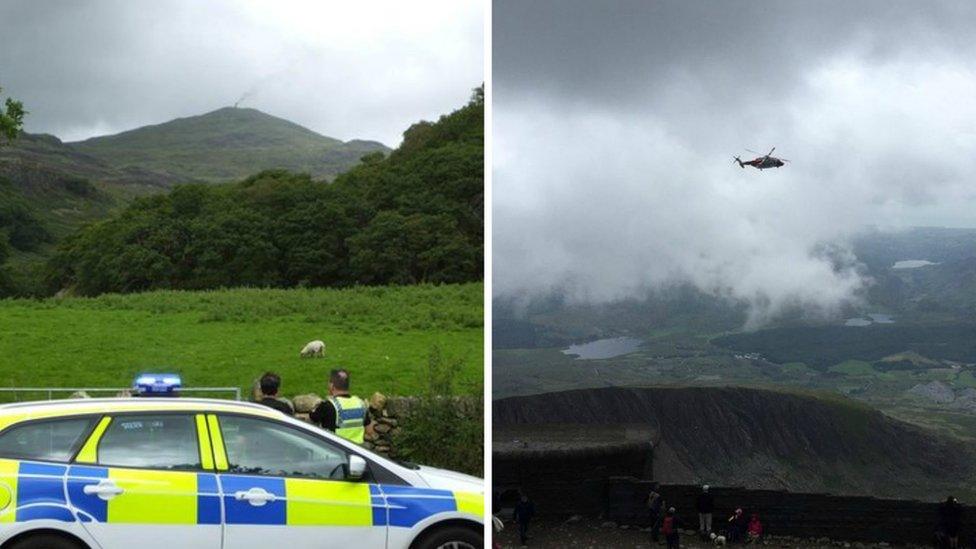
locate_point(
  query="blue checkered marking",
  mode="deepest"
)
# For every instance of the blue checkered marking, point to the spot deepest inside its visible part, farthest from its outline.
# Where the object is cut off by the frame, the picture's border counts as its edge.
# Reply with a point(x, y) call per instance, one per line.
point(409, 505)
point(208, 499)
point(40, 493)
point(379, 506)
point(80, 476)
point(242, 512)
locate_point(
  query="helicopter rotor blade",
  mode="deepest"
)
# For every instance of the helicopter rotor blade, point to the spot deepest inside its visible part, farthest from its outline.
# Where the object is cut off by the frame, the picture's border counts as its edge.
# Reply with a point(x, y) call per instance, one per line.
point(771, 151)
point(753, 152)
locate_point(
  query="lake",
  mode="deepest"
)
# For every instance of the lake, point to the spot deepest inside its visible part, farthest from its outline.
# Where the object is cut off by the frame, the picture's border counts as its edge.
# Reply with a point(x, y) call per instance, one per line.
point(912, 264)
point(869, 319)
point(604, 348)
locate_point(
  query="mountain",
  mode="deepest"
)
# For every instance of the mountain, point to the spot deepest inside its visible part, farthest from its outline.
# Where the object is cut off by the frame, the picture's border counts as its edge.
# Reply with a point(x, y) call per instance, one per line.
point(415, 216)
point(49, 189)
point(226, 144)
point(759, 439)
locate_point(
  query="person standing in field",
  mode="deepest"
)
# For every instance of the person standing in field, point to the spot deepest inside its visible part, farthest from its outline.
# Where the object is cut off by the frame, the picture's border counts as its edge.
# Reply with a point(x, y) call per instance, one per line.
point(342, 413)
point(705, 506)
point(269, 384)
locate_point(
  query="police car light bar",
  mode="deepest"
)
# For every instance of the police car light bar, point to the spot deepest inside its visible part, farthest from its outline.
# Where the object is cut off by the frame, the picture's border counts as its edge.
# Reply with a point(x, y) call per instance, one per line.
point(156, 384)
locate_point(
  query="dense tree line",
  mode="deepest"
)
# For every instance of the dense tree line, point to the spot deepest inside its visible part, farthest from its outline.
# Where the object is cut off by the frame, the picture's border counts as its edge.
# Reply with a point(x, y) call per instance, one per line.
point(20, 230)
point(415, 216)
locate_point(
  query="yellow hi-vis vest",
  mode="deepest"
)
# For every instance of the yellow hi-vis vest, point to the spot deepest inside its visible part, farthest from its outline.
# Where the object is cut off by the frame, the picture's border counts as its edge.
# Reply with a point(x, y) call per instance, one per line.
point(350, 417)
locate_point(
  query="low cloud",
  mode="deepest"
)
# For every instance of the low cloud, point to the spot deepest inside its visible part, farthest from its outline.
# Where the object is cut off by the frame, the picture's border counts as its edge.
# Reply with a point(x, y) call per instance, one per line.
point(615, 127)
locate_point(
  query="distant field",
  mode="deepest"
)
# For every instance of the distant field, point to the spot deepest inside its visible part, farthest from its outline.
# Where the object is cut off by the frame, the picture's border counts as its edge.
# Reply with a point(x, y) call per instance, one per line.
point(383, 335)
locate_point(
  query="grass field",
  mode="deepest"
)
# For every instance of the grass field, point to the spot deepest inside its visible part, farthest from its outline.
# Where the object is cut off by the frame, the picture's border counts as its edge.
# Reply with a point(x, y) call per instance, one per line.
point(383, 335)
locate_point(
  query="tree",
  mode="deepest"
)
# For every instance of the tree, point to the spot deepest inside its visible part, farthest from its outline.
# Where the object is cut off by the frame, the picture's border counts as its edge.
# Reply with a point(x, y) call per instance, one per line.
point(11, 118)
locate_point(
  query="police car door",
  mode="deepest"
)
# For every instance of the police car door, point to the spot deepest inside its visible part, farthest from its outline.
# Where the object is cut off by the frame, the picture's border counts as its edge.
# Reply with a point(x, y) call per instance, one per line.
point(281, 483)
point(145, 480)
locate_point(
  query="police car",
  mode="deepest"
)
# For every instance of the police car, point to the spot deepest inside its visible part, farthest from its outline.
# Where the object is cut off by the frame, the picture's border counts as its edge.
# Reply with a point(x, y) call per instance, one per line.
point(171, 473)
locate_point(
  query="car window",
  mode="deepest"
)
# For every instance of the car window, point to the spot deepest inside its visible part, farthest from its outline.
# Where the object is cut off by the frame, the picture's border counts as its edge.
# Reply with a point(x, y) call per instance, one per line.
point(260, 447)
point(46, 440)
point(151, 442)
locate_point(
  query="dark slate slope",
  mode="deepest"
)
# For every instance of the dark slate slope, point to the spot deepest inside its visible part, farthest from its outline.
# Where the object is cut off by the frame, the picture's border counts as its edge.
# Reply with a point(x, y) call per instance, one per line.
point(764, 439)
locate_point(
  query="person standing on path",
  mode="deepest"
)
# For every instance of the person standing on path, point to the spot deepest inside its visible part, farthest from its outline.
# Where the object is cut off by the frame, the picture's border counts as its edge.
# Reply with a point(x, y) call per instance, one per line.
point(705, 506)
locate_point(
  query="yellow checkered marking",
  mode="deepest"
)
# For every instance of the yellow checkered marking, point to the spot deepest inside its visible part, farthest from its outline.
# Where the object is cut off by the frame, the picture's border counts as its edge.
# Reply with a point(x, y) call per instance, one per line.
point(89, 452)
point(469, 502)
point(153, 497)
point(220, 455)
point(8, 490)
point(203, 438)
point(327, 503)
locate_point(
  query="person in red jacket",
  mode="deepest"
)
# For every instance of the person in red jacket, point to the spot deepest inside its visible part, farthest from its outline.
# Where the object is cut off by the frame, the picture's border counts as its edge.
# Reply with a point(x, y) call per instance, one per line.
point(669, 527)
point(755, 529)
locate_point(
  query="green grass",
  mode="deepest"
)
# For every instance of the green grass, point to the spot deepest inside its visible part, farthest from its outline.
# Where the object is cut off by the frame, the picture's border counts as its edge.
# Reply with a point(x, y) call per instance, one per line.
point(383, 335)
point(854, 368)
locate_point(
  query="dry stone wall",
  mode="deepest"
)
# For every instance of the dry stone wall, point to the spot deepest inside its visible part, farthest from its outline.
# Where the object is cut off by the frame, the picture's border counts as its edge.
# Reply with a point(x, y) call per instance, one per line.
point(389, 415)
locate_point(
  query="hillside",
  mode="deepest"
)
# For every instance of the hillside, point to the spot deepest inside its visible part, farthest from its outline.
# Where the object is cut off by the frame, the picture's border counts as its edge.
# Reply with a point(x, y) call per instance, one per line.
point(413, 217)
point(766, 439)
point(225, 144)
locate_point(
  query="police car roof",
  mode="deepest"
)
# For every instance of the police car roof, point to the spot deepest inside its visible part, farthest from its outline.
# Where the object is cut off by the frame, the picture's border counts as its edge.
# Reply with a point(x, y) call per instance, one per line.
point(48, 408)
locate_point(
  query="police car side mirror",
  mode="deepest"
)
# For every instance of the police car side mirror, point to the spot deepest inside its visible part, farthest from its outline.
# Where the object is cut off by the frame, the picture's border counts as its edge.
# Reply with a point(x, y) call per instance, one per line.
point(357, 468)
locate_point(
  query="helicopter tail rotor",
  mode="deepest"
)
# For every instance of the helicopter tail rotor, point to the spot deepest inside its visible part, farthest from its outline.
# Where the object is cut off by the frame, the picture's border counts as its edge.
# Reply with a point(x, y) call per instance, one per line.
point(741, 165)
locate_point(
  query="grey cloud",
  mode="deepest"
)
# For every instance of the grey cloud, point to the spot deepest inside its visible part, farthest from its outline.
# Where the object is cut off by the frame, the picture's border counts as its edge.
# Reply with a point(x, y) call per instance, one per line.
point(350, 71)
point(615, 124)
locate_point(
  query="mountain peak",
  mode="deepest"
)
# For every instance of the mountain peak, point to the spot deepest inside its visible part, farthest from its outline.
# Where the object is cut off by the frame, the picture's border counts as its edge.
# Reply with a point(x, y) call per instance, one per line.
point(227, 143)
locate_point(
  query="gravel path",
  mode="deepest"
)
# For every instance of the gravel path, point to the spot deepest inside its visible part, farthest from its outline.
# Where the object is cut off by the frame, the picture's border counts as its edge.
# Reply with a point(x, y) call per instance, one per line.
point(593, 535)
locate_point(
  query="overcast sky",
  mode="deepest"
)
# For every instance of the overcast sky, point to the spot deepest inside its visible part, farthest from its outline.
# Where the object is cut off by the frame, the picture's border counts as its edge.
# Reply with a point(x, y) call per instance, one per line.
point(615, 124)
point(363, 69)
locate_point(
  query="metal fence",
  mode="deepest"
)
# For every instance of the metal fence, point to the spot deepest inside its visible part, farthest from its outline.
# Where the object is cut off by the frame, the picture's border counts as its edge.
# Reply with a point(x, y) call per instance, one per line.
point(18, 392)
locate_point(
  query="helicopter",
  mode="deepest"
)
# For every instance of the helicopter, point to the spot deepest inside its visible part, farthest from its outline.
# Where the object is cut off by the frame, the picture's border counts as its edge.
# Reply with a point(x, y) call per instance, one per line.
point(763, 162)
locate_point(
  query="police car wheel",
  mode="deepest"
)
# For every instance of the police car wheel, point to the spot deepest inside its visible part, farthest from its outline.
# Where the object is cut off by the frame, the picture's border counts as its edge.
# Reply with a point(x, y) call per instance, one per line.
point(45, 541)
point(453, 537)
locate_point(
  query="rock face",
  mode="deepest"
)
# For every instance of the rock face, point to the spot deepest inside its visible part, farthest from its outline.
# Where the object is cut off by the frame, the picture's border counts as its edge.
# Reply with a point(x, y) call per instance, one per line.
point(936, 391)
point(762, 439)
point(965, 400)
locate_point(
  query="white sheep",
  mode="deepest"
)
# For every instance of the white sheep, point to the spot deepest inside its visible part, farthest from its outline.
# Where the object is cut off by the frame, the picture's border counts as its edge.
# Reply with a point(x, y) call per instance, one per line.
point(718, 541)
point(313, 348)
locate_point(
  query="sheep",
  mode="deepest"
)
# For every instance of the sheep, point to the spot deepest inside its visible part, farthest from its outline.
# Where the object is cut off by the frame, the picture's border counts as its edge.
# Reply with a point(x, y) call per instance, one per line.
point(313, 348)
point(719, 541)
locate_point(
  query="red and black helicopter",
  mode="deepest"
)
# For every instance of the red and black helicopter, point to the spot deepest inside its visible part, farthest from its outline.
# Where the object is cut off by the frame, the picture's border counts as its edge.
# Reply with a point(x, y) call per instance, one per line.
point(763, 162)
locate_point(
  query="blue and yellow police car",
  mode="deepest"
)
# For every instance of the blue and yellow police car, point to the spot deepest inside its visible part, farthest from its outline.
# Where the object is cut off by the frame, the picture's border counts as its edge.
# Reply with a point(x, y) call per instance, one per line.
point(173, 473)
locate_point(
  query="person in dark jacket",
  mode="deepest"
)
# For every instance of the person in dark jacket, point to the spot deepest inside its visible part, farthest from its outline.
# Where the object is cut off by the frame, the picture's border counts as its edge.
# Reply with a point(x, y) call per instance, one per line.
point(654, 504)
point(269, 384)
point(950, 521)
point(670, 527)
point(524, 511)
point(705, 506)
point(737, 526)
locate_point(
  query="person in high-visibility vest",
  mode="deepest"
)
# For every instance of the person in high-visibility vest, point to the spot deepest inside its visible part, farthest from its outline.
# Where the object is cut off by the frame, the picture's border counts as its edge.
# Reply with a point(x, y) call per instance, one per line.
point(342, 413)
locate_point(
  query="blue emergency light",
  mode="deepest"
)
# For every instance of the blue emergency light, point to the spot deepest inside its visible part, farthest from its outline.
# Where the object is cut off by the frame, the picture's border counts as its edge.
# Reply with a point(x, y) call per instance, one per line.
point(156, 385)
